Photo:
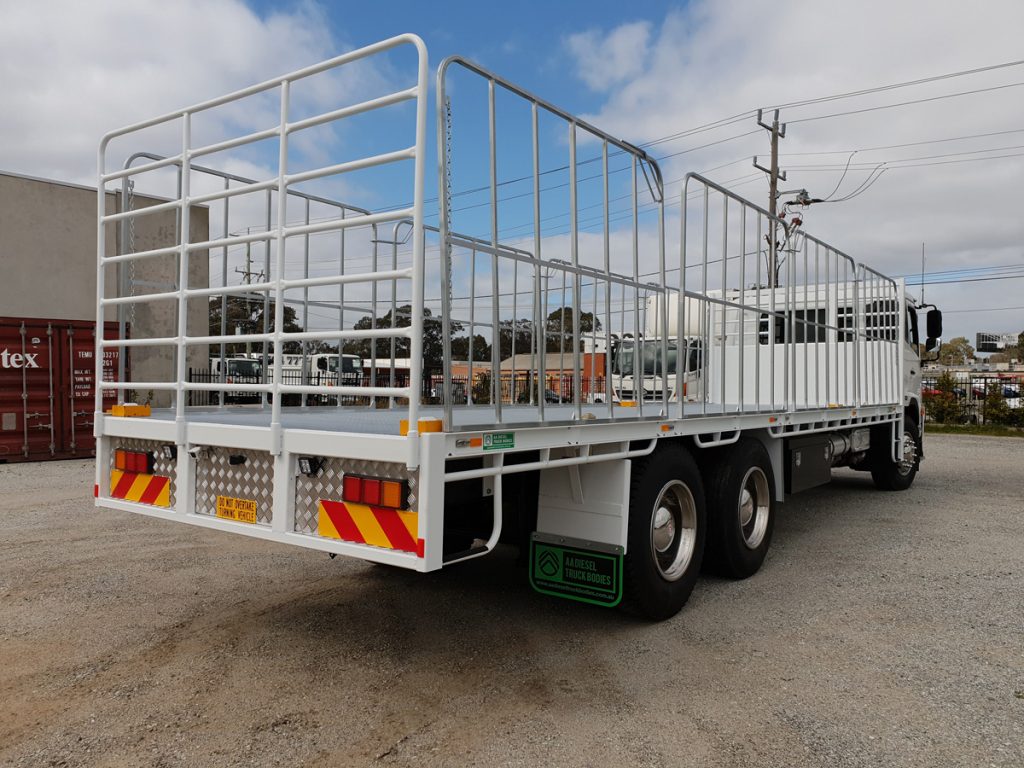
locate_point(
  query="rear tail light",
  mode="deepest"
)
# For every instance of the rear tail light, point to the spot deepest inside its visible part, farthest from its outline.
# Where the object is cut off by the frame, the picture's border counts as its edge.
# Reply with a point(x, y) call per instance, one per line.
point(352, 488)
point(139, 462)
point(371, 491)
point(374, 491)
point(391, 494)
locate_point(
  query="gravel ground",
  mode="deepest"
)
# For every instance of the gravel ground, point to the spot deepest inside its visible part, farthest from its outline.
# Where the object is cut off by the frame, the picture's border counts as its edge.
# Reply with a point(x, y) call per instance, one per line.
point(884, 629)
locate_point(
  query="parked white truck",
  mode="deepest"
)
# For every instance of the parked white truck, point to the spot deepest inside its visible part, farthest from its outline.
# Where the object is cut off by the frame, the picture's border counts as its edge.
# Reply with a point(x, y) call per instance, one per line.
point(795, 357)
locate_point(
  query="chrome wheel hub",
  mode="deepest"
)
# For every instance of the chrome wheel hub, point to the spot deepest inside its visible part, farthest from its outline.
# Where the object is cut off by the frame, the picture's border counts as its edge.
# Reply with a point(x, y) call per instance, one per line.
point(906, 464)
point(754, 507)
point(673, 530)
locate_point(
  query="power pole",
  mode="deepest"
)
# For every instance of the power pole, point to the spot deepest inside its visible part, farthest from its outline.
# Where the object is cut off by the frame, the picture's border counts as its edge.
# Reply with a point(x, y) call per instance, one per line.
point(247, 275)
point(922, 274)
point(777, 131)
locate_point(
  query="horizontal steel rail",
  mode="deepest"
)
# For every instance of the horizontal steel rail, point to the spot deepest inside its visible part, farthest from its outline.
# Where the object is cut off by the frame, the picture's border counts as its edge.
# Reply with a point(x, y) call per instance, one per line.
point(569, 461)
point(258, 237)
point(165, 341)
point(256, 288)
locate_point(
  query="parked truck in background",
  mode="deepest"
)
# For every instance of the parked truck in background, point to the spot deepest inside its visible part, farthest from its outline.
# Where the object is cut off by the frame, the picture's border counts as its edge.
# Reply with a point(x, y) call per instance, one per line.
point(770, 364)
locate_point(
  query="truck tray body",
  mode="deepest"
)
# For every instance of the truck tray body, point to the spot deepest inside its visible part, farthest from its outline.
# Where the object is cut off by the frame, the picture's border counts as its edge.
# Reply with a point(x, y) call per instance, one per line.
point(473, 346)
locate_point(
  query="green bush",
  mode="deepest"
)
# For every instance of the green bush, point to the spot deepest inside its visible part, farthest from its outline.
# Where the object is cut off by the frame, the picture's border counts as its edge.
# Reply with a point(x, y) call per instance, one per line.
point(944, 407)
point(482, 389)
point(996, 409)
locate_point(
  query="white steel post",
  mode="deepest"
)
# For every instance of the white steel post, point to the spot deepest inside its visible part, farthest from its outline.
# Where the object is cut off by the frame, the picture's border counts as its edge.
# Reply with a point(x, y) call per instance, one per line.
point(279, 263)
point(430, 501)
point(416, 339)
point(97, 419)
point(185, 470)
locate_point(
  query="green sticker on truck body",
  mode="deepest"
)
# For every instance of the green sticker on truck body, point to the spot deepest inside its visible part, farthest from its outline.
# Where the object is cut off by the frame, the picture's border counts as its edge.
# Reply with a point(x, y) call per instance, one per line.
point(498, 441)
point(580, 574)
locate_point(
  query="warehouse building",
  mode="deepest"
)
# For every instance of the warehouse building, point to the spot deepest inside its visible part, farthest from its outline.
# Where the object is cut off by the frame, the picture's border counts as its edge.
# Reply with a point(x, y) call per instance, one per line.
point(48, 310)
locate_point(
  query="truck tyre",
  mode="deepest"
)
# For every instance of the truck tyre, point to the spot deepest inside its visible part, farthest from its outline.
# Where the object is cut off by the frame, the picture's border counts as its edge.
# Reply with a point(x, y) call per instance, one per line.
point(741, 504)
point(666, 533)
point(887, 474)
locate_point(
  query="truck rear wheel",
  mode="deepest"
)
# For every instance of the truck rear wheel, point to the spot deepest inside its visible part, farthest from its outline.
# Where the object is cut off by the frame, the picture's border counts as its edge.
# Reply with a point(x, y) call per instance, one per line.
point(742, 505)
point(666, 533)
point(892, 475)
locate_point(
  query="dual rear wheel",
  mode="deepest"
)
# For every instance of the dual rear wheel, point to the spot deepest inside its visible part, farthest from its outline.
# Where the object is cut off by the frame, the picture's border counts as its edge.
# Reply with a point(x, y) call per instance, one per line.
point(671, 532)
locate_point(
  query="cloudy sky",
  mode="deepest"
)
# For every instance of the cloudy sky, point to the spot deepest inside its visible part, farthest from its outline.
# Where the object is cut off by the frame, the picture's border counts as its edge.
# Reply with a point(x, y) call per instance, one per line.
point(945, 170)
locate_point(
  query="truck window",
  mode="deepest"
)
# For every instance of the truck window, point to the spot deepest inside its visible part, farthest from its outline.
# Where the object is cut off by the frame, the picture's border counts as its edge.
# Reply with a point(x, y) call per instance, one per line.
point(912, 334)
point(844, 321)
point(809, 326)
point(763, 328)
point(244, 368)
point(881, 320)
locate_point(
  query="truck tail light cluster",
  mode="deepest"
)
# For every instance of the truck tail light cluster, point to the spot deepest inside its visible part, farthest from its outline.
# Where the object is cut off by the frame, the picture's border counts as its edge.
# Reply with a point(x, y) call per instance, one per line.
point(140, 462)
point(375, 491)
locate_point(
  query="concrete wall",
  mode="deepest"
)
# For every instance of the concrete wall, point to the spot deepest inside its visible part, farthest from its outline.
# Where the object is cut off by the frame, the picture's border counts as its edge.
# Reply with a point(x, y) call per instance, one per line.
point(48, 262)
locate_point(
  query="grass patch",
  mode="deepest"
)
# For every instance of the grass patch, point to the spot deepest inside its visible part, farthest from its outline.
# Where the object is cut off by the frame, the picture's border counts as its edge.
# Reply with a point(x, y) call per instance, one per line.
point(991, 430)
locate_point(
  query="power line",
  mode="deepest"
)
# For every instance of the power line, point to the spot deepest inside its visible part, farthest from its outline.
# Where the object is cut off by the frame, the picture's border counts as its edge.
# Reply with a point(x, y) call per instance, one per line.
point(980, 309)
point(905, 103)
point(893, 86)
point(741, 116)
point(967, 280)
point(963, 270)
point(889, 165)
point(902, 146)
point(921, 157)
point(725, 121)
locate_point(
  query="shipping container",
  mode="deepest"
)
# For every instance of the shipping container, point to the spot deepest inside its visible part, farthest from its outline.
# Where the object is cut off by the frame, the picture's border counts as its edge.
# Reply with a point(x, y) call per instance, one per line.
point(47, 374)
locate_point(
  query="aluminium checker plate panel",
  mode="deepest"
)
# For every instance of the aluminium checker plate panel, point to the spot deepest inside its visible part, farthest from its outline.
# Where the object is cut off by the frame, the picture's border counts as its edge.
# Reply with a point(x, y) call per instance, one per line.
point(327, 485)
point(253, 480)
point(161, 466)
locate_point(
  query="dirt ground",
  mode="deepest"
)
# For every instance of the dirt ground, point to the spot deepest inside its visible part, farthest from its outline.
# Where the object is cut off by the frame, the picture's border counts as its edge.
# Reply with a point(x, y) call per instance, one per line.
point(884, 629)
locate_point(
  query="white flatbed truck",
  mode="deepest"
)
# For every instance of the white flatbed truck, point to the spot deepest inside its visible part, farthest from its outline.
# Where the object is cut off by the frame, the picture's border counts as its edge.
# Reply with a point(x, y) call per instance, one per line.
point(615, 502)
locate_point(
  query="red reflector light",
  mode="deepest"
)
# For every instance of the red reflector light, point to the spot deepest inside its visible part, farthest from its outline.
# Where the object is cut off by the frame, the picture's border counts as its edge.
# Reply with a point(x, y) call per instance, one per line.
point(371, 491)
point(352, 489)
point(96, 490)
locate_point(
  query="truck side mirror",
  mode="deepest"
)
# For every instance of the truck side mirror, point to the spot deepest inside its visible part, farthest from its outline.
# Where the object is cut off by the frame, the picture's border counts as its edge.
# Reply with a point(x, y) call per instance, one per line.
point(932, 342)
point(321, 363)
point(934, 324)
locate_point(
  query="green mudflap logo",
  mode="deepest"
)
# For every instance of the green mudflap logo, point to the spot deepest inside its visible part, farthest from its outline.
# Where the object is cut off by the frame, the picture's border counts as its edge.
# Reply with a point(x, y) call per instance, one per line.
point(590, 577)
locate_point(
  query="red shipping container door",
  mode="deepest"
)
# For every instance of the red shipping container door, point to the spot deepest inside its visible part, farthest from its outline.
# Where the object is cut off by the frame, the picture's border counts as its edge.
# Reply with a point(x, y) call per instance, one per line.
point(47, 374)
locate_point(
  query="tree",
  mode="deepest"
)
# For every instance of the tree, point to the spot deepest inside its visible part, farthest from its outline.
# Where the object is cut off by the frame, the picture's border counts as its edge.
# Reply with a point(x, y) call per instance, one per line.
point(956, 351)
point(481, 349)
point(482, 388)
point(559, 328)
point(521, 331)
point(433, 348)
point(996, 409)
point(246, 315)
point(942, 406)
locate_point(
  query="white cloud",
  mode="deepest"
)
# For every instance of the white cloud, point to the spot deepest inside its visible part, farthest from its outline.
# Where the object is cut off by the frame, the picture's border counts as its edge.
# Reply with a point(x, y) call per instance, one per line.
point(73, 71)
point(723, 57)
point(606, 59)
